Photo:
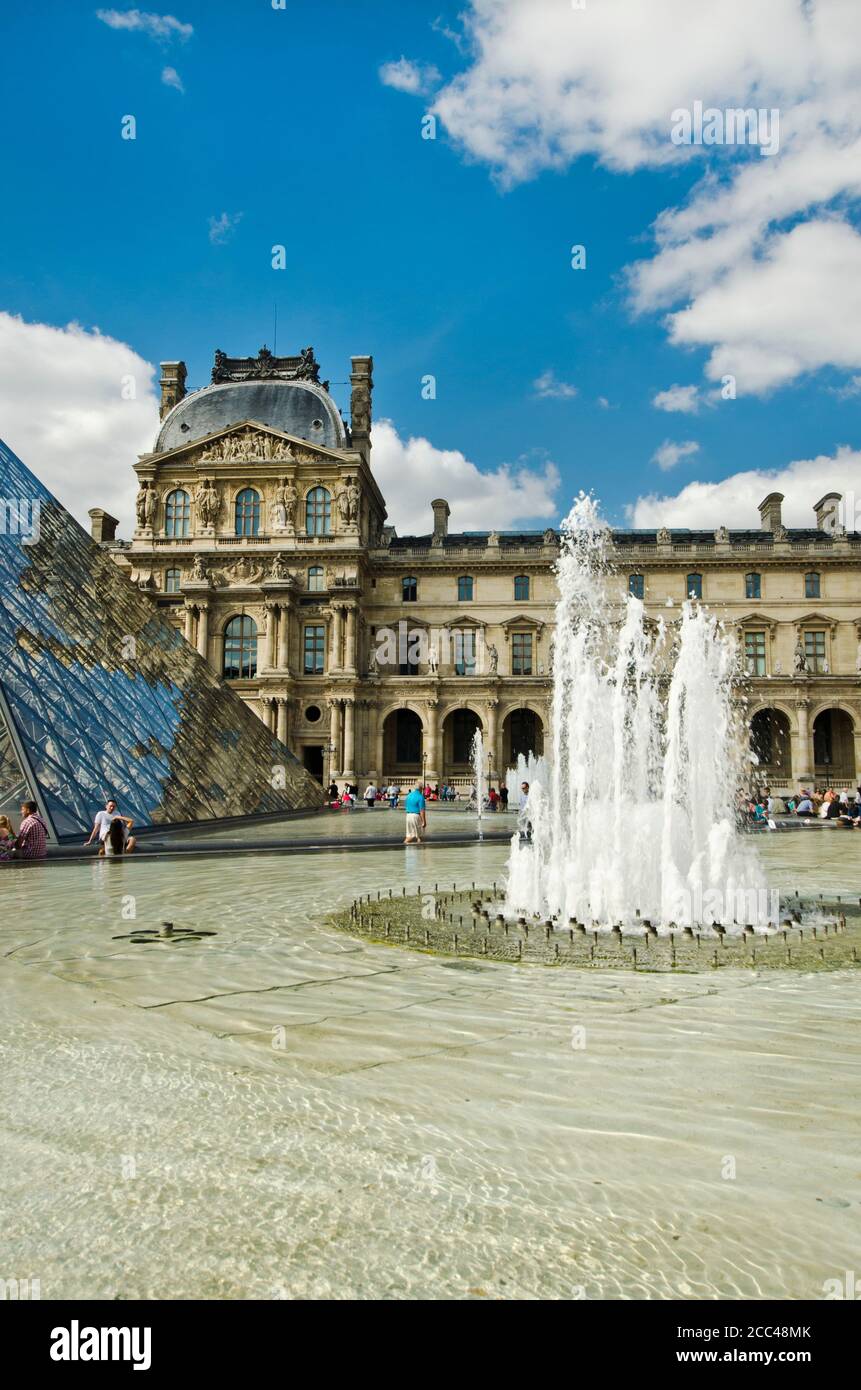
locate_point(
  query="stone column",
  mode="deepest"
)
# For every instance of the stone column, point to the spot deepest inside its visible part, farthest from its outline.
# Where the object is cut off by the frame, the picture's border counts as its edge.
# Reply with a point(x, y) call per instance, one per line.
point(350, 654)
point(189, 622)
point(374, 769)
point(335, 738)
point(284, 637)
point(802, 753)
point(492, 736)
point(282, 718)
point(379, 740)
point(203, 630)
point(335, 652)
point(433, 769)
point(349, 768)
point(271, 618)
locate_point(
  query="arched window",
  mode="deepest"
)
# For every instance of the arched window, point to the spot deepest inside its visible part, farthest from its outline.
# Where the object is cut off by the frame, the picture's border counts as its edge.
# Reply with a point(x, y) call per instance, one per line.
point(177, 514)
point(753, 586)
point(172, 581)
point(240, 649)
point(248, 512)
point(521, 588)
point(811, 585)
point(315, 579)
point(318, 512)
point(637, 585)
point(409, 589)
point(465, 586)
point(694, 586)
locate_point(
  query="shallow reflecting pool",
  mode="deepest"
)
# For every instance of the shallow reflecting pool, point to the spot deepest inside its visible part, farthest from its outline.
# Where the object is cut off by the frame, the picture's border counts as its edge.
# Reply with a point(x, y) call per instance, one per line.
point(275, 1110)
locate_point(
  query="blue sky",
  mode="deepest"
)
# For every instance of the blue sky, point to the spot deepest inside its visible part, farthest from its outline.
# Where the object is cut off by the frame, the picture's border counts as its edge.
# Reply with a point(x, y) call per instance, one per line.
point(435, 259)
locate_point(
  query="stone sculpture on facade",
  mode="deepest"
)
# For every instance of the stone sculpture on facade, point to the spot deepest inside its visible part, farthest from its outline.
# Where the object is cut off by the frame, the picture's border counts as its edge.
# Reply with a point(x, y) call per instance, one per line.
point(800, 658)
point(208, 504)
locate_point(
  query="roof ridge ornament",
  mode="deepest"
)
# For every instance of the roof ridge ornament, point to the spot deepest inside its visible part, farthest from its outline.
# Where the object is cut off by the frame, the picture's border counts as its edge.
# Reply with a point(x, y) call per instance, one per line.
point(266, 367)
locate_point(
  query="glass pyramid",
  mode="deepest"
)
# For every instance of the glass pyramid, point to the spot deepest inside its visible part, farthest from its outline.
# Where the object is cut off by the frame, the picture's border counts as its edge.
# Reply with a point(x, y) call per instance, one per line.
point(99, 696)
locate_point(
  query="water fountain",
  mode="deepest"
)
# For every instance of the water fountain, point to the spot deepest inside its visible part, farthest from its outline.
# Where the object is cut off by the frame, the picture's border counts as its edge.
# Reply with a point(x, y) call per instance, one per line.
point(477, 760)
point(634, 822)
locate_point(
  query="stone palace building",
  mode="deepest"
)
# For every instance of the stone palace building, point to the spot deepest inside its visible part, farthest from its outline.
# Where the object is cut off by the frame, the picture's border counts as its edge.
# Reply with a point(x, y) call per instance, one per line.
point(261, 533)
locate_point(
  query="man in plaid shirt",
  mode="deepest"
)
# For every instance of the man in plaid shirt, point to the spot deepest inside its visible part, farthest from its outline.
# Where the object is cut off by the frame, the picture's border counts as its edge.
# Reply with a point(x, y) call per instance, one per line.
point(33, 833)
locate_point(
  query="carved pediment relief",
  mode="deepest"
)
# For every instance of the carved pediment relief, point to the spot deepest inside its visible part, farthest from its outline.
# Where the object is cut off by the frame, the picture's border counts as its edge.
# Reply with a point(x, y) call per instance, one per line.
point(251, 445)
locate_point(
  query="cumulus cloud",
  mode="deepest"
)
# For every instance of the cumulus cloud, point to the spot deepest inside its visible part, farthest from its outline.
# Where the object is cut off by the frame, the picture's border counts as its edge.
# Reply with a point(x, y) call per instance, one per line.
point(682, 400)
point(221, 228)
point(407, 76)
point(171, 78)
point(68, 414)
point(549, 387)
point(668, 454)
point(734, 500)
point(546, 83)
point(155, 26)
point(412, 472)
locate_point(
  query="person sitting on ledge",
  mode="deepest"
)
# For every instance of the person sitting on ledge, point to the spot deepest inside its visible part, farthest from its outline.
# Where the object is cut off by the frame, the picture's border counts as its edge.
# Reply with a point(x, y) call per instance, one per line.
point(805, 805)
point(7, 838)
point(117, 840)
point(32, 838)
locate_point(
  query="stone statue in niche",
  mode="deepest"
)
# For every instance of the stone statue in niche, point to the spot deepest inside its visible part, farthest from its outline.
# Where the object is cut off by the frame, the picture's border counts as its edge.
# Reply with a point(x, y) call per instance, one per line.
point(800, 658)
point(140, 504)
point(150, 506)
point(493, 658)
point(208, 504)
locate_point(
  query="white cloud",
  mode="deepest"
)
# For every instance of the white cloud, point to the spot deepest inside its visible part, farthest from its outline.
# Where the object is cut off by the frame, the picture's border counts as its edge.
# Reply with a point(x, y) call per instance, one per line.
point(549, 387)
point(412, 472)
point(546, 84)
point(221, 228)
point(171, 78)
point(683, 400)
point(669, 453)
point(155, 26)
point(734, 500)
point(65, 415)
point(407, 76)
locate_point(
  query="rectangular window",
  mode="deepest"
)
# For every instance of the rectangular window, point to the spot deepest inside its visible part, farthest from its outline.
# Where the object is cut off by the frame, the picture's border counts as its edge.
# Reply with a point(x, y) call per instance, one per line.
point(814, 650)
point(811, 586)
point(754, 652)
point(464, 588)
point(521, 653)
point(464, 653)
point(521, 588)
point(637, 585)
point(753, 586)
point(315, 648)
point(409, 589)
point(694, 586)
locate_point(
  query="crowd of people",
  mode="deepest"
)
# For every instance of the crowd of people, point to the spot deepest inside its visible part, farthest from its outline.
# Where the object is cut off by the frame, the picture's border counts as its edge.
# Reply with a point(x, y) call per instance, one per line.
point(842, 807)
point(348, 796)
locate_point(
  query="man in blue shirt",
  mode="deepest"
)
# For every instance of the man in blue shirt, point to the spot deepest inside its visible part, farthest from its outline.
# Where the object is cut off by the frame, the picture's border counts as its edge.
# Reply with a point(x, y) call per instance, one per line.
point(416, 815)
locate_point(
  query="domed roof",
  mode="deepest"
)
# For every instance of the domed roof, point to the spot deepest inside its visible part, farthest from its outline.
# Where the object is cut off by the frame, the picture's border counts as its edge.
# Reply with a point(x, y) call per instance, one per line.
point(256, 389)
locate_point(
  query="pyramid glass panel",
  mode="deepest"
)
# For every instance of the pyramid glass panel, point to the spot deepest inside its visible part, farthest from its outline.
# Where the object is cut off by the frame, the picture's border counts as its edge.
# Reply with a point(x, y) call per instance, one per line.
point(105, 698)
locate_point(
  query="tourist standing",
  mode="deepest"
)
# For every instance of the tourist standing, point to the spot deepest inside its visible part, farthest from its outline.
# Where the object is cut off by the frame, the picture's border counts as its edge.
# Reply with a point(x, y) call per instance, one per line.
point(32, 838)
point(416, 809)
point(370, 796)
point(503, 797)
point(493, 798)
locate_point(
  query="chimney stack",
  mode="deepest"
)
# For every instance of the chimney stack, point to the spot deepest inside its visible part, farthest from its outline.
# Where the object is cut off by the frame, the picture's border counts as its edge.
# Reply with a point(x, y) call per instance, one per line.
point(173, 376)
point(441, 514)
point(827, 511)
point(362, 381)
point(770, 514)
point(103, 526)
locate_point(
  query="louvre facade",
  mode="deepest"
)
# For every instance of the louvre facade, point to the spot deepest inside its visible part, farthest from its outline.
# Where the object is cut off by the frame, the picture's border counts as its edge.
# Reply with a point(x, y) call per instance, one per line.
point(100, 696)
point(262, 536)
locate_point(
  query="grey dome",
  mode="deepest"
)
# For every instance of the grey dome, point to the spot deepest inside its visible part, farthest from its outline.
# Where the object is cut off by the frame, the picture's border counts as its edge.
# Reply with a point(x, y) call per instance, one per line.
point(300, 408)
